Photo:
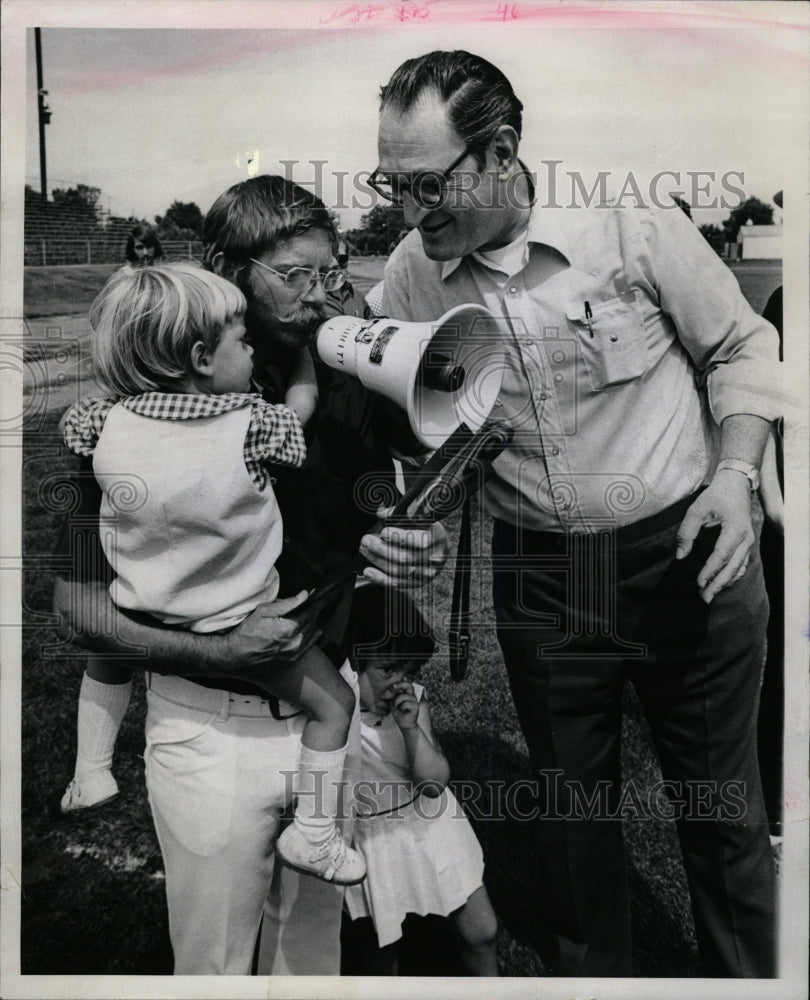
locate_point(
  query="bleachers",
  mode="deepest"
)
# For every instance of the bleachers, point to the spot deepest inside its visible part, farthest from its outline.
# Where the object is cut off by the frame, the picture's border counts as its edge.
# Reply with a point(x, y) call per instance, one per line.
point(73, 233)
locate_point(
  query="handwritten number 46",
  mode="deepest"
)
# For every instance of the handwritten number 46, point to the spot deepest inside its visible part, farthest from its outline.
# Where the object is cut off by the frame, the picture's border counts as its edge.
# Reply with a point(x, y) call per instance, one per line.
point(507, 11)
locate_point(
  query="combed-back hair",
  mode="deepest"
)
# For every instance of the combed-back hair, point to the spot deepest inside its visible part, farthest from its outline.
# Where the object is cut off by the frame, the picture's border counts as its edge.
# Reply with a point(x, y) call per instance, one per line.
point(387, 626)
point(478, 96)
point(147, 321)
point(147, 236)
point(254, 216)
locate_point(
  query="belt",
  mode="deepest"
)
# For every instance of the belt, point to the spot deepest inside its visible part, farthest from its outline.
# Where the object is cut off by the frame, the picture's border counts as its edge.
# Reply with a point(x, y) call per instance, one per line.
point(507, 538)
point(207, 698)
point(386, 812)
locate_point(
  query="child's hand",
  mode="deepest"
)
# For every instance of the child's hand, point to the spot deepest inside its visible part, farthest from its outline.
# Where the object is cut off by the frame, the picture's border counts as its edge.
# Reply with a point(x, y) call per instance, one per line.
point(405, 707)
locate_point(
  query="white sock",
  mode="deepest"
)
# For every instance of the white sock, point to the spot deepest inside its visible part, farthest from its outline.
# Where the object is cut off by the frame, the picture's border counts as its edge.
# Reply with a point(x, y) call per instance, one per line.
point(320, 774)
point(101, 710)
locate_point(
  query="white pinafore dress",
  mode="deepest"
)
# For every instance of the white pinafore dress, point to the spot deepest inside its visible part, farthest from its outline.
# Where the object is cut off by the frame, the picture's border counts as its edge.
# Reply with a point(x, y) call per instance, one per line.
point(422, 854)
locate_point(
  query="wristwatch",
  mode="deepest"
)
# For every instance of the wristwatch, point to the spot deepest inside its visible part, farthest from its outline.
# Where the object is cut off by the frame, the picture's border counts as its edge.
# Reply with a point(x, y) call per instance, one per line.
point(751, 472)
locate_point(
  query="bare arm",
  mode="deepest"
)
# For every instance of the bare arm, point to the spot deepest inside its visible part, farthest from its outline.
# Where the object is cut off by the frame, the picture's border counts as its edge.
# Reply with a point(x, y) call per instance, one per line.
point(427, 762)
point(302, 390)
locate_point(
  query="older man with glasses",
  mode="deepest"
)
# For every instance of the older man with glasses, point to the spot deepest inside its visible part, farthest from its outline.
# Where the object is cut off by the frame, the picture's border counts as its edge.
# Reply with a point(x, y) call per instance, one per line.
point(221, 754)
point(640, 388)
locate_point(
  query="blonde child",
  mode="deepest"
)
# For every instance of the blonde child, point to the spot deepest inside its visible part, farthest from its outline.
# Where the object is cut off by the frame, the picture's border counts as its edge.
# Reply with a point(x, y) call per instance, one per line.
point(194, 537)
point(420, 850)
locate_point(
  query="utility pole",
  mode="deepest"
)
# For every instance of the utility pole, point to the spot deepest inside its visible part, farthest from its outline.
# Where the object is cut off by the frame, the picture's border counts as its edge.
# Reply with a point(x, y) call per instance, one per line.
point(44, 117)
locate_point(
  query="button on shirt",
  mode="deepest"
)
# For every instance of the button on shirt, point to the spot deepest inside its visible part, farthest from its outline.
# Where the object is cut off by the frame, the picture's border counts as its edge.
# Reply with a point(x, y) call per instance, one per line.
point(627, 343)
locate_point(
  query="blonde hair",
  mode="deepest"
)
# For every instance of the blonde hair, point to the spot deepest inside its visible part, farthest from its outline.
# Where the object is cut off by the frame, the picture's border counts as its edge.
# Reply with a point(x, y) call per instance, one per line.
point(146, 323)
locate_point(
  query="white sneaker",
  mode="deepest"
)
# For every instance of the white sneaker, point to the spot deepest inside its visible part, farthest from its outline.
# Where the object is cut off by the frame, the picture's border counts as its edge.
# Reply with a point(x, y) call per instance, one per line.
point(332, 861)
point(94, 790)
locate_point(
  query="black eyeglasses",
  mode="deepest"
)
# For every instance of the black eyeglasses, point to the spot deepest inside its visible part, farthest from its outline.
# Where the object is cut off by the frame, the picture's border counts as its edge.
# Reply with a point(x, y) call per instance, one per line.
point(428, 188)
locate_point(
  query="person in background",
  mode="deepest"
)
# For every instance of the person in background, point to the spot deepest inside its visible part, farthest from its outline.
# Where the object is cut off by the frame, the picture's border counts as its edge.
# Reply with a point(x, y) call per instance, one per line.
point(374, 301)
point(771, 722)
point(143, 248)
point(344, 301)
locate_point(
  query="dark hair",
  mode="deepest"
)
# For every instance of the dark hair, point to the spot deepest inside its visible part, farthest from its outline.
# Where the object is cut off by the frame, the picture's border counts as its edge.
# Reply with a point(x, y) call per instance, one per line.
point(255, 215)
point(479, 97)
point(147, 236)
point(387, 625)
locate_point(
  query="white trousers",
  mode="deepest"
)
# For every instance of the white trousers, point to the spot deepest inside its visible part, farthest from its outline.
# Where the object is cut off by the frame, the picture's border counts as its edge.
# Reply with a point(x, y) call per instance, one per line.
point(215, 775)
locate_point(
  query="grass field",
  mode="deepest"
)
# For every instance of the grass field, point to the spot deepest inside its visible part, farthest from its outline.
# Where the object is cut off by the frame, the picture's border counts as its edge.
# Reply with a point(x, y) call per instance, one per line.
point(93, 898)
point(69, 290)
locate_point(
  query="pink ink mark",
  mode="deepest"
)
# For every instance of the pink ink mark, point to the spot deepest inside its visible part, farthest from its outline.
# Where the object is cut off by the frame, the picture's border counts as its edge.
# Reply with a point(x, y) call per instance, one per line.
point(508, 11)
point(355, 13)
point(413, 12)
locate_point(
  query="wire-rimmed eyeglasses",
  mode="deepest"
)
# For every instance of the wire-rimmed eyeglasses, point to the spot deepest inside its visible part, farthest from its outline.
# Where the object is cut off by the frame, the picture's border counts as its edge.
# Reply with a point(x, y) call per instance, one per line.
point(301, 279)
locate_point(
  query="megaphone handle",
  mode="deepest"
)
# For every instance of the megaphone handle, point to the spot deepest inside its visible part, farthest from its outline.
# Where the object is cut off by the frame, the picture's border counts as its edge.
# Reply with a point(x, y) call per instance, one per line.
point(414, 523)
point(329, 585)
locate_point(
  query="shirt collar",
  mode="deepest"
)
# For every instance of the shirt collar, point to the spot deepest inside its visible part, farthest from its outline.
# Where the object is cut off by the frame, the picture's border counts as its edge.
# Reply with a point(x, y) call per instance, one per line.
point(545, 228)
point(185, 405)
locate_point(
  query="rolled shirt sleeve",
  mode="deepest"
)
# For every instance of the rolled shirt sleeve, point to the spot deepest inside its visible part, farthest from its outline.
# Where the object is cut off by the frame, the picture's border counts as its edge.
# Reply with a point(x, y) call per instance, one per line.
point(279, 436)
point(82, 424)
point(735, 351)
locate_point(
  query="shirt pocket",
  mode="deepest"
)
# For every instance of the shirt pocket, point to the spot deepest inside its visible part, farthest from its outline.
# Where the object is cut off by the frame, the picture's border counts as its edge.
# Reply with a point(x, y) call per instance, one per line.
point(612, 340)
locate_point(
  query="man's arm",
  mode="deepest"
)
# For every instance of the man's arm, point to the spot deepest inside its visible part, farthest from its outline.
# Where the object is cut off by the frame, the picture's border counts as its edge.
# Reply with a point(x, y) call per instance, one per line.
point(90, 619)
point(735, 351)
point(727, 502)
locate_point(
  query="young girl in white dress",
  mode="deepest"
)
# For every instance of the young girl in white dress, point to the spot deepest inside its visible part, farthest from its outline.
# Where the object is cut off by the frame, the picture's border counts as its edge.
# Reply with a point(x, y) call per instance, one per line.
point(421, 853)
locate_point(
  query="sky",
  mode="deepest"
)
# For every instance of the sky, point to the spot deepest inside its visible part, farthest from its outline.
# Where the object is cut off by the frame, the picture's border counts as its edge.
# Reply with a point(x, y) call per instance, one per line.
point(150, 116)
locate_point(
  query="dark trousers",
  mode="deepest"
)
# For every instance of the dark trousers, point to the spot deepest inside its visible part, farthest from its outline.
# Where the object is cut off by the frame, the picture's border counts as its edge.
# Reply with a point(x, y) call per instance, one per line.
point(577, 616)
point(771, 726)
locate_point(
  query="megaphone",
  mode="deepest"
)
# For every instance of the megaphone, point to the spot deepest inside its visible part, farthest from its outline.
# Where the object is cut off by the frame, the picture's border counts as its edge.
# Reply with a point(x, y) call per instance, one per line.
point(442, 374)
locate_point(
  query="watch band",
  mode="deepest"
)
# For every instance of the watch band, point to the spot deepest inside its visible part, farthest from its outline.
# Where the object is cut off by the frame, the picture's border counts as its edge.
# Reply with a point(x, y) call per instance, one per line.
point(751, 472)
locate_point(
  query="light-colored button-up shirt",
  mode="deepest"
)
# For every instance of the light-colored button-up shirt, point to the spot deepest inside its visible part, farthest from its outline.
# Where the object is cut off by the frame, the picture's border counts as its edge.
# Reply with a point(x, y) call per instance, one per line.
point(627, 341)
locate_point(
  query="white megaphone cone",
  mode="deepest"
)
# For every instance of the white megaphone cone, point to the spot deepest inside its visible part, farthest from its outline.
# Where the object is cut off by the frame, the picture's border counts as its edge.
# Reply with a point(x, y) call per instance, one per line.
point(442, 374)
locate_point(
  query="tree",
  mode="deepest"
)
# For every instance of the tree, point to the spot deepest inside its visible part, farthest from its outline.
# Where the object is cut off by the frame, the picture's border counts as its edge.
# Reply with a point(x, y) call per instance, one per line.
point(182, 221)
point(683, 205)
point(760, 214)
point(82, 194)
point(715, 237)
point(79, 205)
point(380, 230)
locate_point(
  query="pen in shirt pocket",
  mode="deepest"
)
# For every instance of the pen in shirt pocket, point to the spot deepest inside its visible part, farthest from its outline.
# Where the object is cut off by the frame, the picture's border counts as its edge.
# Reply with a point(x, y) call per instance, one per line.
point(588, 316)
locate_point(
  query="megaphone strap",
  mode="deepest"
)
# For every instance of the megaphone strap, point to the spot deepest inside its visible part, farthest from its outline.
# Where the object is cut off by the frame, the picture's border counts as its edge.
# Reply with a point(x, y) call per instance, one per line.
point(459, 632)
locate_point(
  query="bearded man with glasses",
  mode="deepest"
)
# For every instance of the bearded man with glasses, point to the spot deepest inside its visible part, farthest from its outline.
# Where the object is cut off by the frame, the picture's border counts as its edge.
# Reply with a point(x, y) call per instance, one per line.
point(640, 387)
point(220, 753)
